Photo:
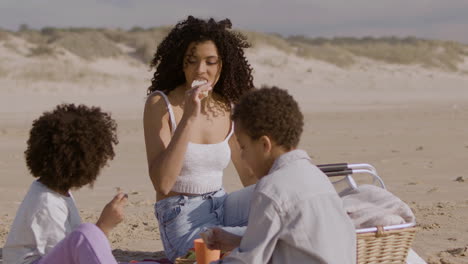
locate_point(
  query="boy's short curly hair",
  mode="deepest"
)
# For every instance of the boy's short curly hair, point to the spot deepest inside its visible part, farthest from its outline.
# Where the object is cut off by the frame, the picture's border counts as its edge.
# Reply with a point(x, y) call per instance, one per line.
point(68, 146)
point(270, 112)
point(236, 73)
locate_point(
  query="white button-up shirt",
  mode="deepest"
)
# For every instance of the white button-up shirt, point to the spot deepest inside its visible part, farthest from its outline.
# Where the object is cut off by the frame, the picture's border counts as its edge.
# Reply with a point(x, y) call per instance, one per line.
point(296, 217)
point(43, 219)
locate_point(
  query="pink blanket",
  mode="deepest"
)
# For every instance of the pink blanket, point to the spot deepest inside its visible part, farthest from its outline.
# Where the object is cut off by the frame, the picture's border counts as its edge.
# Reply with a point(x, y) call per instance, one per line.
point(371, 206)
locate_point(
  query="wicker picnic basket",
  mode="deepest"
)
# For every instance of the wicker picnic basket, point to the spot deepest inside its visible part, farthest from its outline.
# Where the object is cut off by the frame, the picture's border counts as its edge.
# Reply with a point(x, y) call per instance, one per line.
point(387, 244)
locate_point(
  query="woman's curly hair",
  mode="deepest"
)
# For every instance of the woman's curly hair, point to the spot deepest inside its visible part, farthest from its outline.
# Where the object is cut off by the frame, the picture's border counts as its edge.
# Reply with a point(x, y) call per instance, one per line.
point(270, 112)
point(68, 146)
point(236, 73)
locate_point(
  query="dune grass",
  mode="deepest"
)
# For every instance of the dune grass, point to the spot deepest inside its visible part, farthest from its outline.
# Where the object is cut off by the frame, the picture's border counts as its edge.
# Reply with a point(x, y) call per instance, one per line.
point(328, 53)
point(257, 39)
point(42, 50)
point(88, 45)
point(91, 44)
point(83, 42)
point(428, 53)
point(145, 42)
point(4, 34)
point(3, 71)
point(34, 37)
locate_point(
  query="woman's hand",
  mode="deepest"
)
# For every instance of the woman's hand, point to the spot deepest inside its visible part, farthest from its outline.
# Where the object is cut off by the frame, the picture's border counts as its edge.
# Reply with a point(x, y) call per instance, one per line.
point(223, 240)
point(113, 213)
point(193, 98)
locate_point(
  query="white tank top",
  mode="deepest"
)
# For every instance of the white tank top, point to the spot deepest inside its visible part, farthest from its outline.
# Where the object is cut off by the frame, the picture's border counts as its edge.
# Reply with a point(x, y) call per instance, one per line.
point(202, 170)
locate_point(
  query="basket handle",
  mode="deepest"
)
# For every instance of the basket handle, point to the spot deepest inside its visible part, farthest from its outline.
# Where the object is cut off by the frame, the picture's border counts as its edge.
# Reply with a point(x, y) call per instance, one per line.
point(380, 231)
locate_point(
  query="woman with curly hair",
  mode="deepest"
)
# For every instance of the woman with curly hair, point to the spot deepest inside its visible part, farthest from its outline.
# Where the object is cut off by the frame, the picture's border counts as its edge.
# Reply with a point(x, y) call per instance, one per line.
point(201, 71)
point(66, 150)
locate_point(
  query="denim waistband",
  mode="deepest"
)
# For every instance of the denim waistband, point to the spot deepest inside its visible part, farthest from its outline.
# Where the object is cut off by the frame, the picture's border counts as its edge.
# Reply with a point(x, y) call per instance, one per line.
point(182, 199)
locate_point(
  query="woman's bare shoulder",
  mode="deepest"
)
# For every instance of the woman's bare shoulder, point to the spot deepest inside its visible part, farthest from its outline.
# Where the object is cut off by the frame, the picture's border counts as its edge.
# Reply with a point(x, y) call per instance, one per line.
point(155, 105)
point(154, 98)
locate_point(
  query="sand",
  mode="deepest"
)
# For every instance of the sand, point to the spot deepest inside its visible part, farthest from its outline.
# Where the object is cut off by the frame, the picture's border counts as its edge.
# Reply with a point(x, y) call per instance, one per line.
point(409, 122)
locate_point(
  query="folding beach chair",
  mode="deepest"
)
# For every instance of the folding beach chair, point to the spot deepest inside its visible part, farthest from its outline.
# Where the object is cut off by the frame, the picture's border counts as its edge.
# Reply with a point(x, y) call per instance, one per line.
point(382, 244)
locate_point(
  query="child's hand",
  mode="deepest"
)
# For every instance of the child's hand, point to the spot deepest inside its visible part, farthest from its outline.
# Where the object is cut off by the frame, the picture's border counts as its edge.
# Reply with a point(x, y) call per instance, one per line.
point(113, 213)
point(223, 240)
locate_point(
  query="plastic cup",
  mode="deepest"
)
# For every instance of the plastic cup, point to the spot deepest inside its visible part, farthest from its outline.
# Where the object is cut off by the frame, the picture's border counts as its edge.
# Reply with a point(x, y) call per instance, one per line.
point(203, 254)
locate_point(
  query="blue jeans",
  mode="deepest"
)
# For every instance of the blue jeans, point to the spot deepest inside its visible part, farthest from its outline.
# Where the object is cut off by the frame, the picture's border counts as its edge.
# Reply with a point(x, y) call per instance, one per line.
point(181, 218)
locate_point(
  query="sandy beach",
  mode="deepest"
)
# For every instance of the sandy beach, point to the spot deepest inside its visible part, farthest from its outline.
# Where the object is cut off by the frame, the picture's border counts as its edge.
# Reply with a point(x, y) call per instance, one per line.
point(410, 122)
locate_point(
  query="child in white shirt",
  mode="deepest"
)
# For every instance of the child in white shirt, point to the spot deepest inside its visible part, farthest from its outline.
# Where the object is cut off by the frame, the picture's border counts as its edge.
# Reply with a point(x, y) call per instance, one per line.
point(66, 150)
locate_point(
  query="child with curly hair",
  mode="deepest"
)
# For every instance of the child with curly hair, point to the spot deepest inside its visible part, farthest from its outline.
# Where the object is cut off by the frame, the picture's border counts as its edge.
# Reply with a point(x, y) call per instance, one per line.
point(66, 150)
point(296, 215)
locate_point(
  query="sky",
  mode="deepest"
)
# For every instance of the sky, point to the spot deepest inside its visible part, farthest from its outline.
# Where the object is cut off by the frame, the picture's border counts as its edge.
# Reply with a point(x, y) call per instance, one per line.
point(433, 19)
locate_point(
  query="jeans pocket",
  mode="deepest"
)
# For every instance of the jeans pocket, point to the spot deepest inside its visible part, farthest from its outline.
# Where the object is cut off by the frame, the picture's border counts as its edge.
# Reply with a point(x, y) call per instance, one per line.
point(168, 215)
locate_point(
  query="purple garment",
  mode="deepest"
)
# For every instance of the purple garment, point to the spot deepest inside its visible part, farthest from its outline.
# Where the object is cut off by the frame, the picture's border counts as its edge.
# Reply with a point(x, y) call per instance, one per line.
point(86, 244)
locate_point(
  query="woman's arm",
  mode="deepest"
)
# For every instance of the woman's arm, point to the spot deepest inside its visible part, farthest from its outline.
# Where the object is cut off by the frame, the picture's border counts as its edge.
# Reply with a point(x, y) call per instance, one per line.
point(246, 174)
point(165, 155)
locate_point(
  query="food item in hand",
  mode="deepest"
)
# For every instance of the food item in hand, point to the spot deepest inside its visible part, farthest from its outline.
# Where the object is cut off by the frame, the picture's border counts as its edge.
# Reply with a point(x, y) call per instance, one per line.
point(196, 83)
point(204, 94)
